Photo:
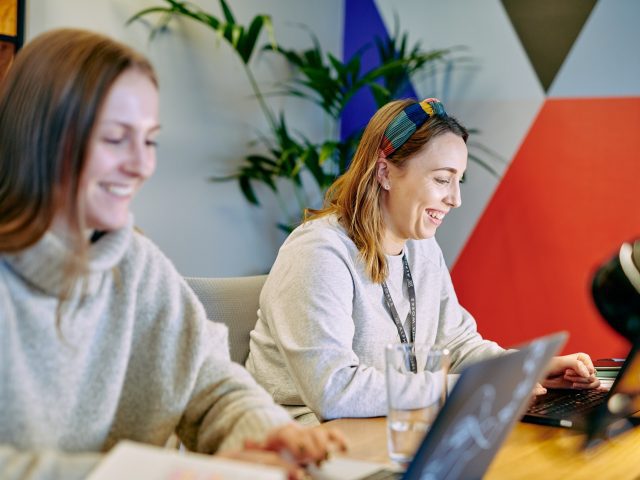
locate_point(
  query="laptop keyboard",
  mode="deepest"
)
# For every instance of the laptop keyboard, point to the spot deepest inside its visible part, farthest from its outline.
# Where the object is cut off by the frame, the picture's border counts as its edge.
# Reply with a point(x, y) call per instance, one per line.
point(578, 402)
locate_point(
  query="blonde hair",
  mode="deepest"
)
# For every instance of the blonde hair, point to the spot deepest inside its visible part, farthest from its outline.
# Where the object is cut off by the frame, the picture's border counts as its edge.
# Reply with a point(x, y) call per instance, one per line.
point(355, 196)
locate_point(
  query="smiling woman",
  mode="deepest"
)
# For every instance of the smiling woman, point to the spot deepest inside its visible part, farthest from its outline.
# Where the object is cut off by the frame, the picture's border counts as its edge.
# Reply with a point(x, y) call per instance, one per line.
point(366, 271)
point(100, 338)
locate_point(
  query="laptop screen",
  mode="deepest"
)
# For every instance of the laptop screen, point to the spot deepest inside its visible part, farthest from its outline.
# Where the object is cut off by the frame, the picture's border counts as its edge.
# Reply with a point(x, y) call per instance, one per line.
point(485, 402)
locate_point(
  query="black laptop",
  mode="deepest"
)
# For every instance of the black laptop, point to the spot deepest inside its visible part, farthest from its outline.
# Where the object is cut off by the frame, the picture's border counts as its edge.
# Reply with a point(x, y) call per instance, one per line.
point(486, 401)
point(590, 410)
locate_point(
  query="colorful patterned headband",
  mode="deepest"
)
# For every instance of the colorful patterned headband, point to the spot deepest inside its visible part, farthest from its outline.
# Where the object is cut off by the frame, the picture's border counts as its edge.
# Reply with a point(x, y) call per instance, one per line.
point(407, 122)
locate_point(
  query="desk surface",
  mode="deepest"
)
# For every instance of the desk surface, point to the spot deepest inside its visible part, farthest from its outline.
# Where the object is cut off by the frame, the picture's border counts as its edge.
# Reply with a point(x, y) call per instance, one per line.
point(530, 451)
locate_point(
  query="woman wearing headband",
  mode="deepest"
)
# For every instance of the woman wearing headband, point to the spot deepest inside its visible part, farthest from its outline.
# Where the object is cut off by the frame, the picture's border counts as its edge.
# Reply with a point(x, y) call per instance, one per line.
point(366, 271)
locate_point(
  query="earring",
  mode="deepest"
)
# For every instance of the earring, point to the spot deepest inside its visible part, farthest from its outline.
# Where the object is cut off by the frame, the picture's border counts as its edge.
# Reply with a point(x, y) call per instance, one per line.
point(387, 186)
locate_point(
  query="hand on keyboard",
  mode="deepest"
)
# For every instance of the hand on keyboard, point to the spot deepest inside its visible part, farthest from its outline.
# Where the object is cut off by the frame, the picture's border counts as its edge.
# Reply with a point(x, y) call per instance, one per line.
point(572, 371)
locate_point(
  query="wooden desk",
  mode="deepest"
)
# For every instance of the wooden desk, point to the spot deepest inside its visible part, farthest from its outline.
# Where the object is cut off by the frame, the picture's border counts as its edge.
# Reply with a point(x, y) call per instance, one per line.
point(530, 451)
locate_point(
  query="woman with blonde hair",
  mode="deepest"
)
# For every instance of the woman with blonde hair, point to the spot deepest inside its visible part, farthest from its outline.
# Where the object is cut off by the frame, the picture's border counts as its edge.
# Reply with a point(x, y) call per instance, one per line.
point(100, 338)
point(366, 271)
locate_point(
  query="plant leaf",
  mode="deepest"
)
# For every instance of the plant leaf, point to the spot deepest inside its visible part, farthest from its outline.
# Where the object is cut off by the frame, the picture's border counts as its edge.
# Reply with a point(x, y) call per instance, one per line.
point(247, 190)
point(147, 11)
point(381, 94)
point(248, 42)
point(228, 14)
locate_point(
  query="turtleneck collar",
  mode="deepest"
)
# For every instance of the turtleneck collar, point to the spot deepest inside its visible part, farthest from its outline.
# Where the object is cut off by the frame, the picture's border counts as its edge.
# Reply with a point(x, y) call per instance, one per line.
point(43, 264)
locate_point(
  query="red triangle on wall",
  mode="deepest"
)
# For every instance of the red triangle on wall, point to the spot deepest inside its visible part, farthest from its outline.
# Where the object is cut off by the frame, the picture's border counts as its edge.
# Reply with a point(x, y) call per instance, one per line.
point(568, 200)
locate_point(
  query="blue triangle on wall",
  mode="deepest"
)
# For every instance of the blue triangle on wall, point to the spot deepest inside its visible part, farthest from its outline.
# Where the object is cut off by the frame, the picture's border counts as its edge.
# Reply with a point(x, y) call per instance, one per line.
point(362, 24)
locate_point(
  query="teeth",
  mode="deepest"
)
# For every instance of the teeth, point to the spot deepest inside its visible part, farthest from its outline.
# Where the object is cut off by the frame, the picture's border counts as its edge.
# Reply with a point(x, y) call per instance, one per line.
point(119, 190)
point(438, 215)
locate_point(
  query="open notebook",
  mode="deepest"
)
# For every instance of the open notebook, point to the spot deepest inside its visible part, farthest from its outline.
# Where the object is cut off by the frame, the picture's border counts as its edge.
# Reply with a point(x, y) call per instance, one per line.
point(129, 460)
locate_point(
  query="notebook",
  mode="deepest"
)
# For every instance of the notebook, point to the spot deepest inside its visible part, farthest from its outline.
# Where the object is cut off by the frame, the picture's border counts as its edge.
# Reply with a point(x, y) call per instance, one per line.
point(578, 409)
point(483, 406)
point(147, 462)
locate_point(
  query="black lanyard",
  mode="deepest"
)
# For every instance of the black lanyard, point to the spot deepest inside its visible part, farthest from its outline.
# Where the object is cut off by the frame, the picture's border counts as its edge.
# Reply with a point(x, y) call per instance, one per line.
point(412, 310)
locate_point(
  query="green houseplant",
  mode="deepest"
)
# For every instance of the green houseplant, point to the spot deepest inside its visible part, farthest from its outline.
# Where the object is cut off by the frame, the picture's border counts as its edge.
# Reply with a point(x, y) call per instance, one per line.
point(319, 77)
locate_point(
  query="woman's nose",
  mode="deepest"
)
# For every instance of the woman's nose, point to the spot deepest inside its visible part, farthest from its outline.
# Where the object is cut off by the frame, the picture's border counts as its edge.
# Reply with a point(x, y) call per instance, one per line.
point(454, 198)
point(142, 161)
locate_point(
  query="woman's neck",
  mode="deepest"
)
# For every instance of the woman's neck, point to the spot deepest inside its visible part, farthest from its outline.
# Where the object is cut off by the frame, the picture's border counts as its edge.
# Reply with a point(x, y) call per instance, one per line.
point(392, 244)
point(60, 228)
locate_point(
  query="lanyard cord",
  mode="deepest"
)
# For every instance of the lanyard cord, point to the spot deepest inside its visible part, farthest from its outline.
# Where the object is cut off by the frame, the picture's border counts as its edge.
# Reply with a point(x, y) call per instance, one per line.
point(412, 310)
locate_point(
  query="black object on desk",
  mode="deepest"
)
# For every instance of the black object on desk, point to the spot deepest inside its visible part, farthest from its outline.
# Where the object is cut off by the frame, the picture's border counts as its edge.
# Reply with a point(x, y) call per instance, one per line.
point(615, 294)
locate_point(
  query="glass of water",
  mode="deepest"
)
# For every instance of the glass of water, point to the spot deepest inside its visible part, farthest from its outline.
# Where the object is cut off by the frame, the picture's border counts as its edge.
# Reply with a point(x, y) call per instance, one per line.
point(416, 391)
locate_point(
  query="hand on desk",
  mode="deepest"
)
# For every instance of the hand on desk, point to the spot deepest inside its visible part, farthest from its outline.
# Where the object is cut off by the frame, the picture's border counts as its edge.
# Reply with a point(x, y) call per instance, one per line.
point(291, 447)
point(569, 371)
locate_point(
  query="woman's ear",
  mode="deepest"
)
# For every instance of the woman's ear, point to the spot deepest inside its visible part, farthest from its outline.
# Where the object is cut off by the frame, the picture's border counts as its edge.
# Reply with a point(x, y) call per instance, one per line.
point(382, 172)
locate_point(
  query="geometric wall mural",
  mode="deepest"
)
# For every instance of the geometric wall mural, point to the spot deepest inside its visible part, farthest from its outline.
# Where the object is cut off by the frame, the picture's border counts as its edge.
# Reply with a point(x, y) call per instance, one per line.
point(522, 261)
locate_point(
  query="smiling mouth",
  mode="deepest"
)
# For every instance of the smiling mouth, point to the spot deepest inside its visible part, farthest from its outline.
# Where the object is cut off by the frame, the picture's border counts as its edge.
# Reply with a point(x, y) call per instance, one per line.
point(119, 190)
point(436, 215)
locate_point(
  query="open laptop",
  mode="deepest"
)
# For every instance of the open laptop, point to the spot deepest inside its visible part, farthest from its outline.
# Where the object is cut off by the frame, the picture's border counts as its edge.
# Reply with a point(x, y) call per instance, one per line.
point(488, 398)
point(589, 410)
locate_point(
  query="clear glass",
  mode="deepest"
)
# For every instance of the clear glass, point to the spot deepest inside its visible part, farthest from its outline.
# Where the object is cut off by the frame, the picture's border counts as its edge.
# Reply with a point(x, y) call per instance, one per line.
point(414, 399)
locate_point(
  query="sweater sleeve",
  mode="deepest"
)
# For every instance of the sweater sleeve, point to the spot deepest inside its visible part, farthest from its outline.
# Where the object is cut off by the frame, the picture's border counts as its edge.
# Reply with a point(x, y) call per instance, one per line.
point(45, 464)
point(226, 406)
point(218, 402)
point(458, 330)
point(308, 306)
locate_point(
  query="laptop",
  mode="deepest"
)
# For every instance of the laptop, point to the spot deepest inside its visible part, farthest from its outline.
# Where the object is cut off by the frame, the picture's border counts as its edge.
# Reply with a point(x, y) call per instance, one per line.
point(486, 401)
point(590, 410)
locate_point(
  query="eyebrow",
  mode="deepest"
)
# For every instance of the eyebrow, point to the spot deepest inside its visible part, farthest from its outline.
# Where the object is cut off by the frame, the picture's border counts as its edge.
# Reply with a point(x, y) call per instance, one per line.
point(448, 169)
point(128, 126)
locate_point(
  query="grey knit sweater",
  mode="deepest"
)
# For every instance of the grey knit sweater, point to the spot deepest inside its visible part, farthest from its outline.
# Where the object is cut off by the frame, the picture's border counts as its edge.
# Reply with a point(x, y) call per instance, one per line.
point(136, 359)
point(323, 324)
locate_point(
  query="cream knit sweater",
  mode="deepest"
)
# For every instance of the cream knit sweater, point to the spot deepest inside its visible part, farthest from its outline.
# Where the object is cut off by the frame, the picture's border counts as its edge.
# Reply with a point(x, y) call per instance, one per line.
point(135, 359)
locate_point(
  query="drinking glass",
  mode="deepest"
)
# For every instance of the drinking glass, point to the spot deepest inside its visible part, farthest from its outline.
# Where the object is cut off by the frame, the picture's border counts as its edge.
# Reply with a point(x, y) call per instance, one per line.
point(414, 398)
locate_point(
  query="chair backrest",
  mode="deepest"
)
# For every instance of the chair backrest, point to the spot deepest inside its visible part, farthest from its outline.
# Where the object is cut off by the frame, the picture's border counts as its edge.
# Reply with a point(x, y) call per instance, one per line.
point(233, 301)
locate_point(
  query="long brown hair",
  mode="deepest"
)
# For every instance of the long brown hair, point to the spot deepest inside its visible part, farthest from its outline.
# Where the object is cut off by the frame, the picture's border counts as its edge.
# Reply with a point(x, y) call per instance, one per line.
point(355, 196)
point(49, 103)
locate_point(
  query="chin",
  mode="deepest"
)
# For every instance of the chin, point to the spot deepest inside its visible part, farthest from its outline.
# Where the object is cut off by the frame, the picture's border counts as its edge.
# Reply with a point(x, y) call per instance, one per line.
point(108, 225)
point(423, 235)
point(426, 233)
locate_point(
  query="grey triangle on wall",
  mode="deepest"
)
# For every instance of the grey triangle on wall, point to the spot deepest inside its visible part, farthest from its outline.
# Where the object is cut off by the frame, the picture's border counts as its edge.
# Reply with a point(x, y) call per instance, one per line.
point(547, 30)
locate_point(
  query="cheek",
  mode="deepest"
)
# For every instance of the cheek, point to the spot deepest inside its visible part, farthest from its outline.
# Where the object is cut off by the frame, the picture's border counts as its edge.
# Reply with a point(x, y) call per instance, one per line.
point(153, 164)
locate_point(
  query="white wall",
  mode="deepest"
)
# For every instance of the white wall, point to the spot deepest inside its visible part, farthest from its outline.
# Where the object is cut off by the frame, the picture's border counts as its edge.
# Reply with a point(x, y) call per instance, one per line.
point(208, 117)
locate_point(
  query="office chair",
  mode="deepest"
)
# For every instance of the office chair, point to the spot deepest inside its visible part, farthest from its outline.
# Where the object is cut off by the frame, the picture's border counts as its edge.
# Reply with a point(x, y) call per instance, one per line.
point(233, 301)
